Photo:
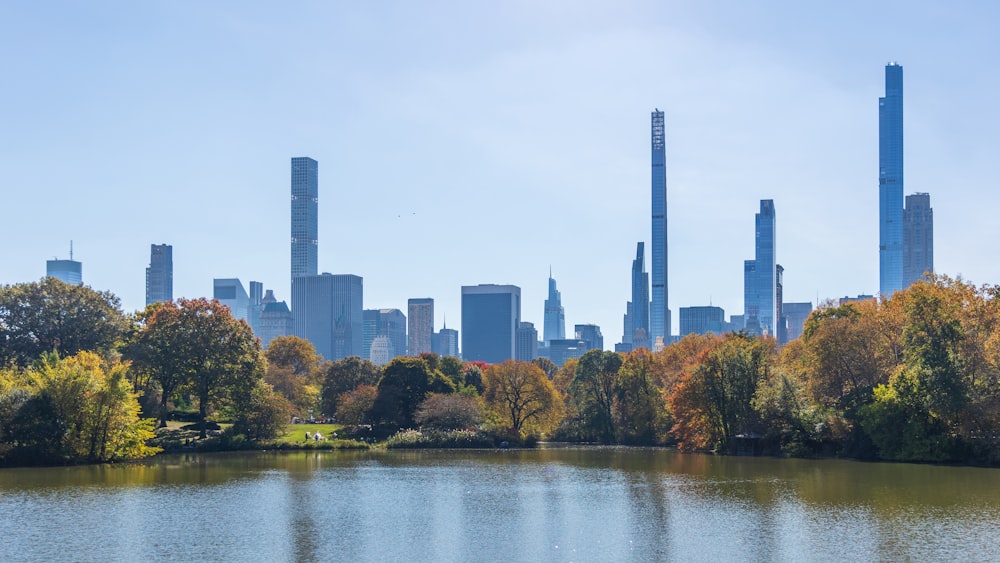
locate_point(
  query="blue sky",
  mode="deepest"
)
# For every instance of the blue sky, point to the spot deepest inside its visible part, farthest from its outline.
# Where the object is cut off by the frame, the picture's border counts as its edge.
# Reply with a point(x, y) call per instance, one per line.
point(481, 142)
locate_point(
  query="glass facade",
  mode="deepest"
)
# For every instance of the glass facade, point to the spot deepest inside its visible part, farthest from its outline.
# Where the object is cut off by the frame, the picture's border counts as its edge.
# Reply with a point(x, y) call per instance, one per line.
point(700, 320)
point(421, 326)
point(160, 274)
point(527, 342)
point(326, 310)
point(305, 204)
point(491, 315)
point(590, 335)
point(446, 342)
point(231, 293)
point(890, 181)
point(659, 316)
point(555, 317)
point(760, 276)
point(918, 238)
point(69, 271)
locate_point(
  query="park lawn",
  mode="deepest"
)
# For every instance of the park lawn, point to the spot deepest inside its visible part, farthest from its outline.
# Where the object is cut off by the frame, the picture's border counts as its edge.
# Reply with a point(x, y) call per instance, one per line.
point(296, 433)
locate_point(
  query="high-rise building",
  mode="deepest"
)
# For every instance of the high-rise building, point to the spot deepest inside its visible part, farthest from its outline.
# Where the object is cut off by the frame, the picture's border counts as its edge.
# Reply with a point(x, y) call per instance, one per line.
point(369, 330)
point(446, 342)
point(382, 350)
point(421, 326)
point(890, 182)
point(69, 271)
point(392, 324)
point(326, 310)
point(918, 238)
point(526, 348)
point(641, 337)
point(231, 293)
point(555, 317)
point(160, 274)
point(760, 276)
point(275, 319)
point(305, 217)
point(659, 316)
point(796, 315)
point(781, 328)
point(701, 320)
point(490, 317)
point(563, 349)
point(590, 335)
point(256, 304)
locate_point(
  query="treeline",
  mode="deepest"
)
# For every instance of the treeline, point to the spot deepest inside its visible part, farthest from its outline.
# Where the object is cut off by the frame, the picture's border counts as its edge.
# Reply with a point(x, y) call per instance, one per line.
point(911, 378)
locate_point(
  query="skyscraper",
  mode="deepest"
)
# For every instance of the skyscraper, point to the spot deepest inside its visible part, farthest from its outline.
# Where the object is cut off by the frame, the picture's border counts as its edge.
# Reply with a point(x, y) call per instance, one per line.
point(446, 342)
point(160, 274)
point(918, 238)
point(420, 313)
point(491, 315)
point(640, 311)
point(231, 293)
point(703, 319)
point(326, 310)
point(590, 335)
point(69, 271)
point(526, 348)
point(392, 324)
point(305, 217)
point(760, 284)
point(555, 317)
point(659, 317)
point(890, 181)
point(275, 319)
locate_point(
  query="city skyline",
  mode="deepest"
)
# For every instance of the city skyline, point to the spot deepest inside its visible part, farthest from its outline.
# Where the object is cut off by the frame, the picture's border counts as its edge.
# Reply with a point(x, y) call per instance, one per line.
point(538, 122)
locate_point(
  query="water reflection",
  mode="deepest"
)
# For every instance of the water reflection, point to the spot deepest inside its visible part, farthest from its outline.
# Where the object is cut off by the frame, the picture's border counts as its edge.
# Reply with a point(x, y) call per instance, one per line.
point(567, 503)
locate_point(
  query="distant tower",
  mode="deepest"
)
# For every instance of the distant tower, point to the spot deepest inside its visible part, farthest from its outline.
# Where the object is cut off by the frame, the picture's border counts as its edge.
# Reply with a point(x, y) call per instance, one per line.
point(890, 182)
point(659, 315)
point(326, 310)
point(305, 218)
point(641, 337)
point(420, 333)
point(446, 342)
point(918, 238)
point(69, 271)
point(760, 282)
point(231, 293)
point(526, 348)
point(160, 274)
point(555, 317)
point(491, 315)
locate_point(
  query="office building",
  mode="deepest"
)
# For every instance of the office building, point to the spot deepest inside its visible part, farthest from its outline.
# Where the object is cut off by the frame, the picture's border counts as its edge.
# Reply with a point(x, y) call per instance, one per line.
point(420, 331)
point(639, 309)
point(69, 271)
point(760, 282)
point(858, 299)
point(446, 342)
point(796, 315)
point(392, 325)
point(590, 335)
point(256, 304)
point(274, 320)
point(305, 217)
point(160, 274)
point(564, 349)
point(382, 350)
point(326, 310)
point(890, 181)
point(659, 313)
point(491, 315)
point(918, 238)
point(526, 348)
point(231, 293)
point(702, 320)
point(555, 317)
point(369, 330)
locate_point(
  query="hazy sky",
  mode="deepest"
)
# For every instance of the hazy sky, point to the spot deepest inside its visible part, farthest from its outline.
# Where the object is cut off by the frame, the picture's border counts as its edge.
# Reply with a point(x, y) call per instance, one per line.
point(481, 142)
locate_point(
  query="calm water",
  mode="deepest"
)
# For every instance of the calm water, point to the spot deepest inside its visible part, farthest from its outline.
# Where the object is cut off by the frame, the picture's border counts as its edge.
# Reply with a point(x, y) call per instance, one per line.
point(553, 504)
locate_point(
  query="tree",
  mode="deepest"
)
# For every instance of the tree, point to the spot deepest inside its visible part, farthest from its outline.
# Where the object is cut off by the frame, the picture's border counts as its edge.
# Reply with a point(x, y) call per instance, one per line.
point(449, 411)
point(49, 315)
point(293, 352)
point(547, 365)
point(263, 415)
point(198, 344)
point(638, 406)
point(522, 397)
point(343, 376)
point(405, 383)
point(593, 391)
point(355, 406)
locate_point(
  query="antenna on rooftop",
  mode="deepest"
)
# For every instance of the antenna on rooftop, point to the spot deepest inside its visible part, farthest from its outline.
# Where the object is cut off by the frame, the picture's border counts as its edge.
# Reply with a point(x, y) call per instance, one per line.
point(70, 250)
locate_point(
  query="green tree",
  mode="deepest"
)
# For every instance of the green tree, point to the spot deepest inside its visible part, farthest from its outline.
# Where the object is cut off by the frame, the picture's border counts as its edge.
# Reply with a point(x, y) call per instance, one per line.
point(405, 383)
point(593, 391)
point(263, 415)
point(48, 315)
point(343, 376)
point(197, 344)
point(522, 397)
point(638, 406)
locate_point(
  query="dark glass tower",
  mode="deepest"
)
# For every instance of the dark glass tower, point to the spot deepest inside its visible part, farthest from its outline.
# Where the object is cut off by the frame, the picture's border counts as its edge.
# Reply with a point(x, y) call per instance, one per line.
point(659, 315)
point(160, 274)
point(890, 181)
point(305, 218)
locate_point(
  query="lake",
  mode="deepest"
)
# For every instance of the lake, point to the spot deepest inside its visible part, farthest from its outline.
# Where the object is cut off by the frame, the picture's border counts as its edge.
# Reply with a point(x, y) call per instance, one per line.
point(547, 504)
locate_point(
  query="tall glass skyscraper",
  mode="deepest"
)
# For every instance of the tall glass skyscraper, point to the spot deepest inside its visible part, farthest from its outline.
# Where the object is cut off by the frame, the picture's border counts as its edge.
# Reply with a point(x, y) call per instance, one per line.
point(659, 316)
point(420, 330)
point(491, 315)
point(555, 317)
point(326, 310)
point(918, 238)
point(641, 337)
point(890, 181)
point(760, 284)
point(160, 274)
point(305, 216)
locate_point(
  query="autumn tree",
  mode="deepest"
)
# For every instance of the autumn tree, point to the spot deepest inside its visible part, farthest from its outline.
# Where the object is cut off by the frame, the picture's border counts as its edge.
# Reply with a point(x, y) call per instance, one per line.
point(197, 344)
point(343, 376)
point(51, 315)
point(293, 352)
point(449, 411)
point(638, 406)
point(355, 406)
point(522, 397)
point(404, 385)
point(593, 392)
